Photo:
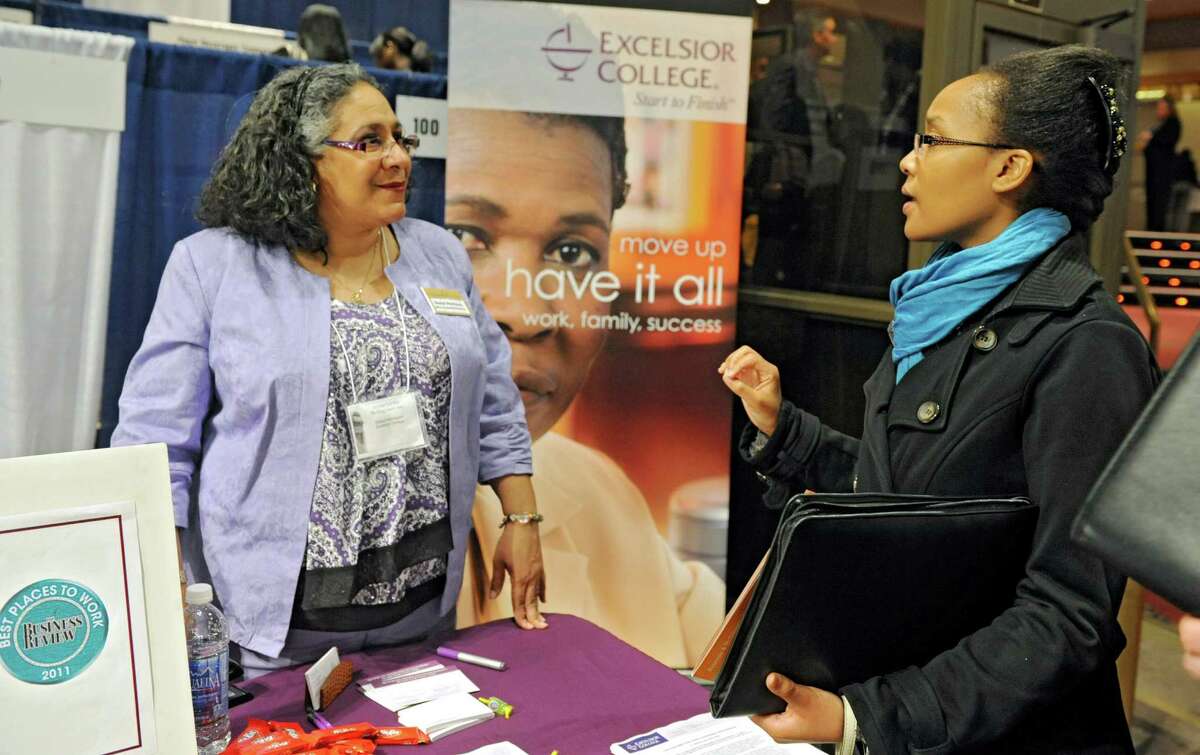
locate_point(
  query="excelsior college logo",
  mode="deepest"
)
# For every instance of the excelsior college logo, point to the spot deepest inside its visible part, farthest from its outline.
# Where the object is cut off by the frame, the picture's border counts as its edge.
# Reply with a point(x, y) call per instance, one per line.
point(51, 631)
point(562, 55)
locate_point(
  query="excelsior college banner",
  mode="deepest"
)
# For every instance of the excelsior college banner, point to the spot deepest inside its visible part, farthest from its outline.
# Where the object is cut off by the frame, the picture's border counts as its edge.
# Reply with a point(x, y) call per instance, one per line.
point(594, 176)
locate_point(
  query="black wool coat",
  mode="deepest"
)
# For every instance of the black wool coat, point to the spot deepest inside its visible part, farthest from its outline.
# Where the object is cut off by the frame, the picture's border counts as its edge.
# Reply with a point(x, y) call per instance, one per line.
point(1030, 396)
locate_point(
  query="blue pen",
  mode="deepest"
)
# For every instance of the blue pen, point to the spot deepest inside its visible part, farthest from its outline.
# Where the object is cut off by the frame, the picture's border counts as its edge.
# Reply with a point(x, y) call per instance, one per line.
point(319, 721)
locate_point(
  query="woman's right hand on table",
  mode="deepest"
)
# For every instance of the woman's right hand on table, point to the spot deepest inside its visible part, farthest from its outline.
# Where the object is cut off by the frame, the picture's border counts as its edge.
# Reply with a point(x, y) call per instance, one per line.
point(756, 383)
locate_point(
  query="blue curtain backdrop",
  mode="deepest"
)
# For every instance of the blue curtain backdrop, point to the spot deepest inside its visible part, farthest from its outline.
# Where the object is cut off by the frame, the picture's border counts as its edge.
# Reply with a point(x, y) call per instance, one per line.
point(428, 19)
point(181, 103)
point(68, 15)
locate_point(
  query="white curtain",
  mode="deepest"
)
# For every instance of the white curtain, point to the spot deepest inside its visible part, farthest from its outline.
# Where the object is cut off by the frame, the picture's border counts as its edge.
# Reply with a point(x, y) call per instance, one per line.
point(208, 10)
point(58, 189)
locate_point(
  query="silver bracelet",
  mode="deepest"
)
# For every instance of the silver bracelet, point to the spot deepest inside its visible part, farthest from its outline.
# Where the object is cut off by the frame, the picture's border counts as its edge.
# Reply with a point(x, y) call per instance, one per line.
point(520, 519)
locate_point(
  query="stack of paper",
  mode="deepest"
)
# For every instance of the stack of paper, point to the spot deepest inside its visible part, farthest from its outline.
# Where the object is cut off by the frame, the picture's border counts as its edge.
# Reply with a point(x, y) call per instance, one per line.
point(398, 696)
point(435, 699)
point(446, 715)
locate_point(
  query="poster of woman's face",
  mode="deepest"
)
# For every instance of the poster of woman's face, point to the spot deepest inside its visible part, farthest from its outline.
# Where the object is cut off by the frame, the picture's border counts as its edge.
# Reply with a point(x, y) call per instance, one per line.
point(568, 220)
point(531, 198)
point(601, 216)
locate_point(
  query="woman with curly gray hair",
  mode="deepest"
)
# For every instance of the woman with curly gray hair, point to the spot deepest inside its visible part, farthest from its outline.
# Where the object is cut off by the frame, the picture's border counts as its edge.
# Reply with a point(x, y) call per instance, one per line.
point(329, 387)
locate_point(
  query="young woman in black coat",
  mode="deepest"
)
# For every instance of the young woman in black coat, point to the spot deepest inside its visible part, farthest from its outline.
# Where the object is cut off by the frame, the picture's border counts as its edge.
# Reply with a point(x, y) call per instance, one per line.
point(1011, 372)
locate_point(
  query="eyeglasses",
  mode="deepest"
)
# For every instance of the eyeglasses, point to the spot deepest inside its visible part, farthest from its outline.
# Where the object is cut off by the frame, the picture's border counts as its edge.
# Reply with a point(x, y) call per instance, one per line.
point(373, 146)
point(920, 141)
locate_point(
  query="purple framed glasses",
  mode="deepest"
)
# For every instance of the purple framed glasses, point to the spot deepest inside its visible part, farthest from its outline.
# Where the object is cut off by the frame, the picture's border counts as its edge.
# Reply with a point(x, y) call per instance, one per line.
point(373, 146)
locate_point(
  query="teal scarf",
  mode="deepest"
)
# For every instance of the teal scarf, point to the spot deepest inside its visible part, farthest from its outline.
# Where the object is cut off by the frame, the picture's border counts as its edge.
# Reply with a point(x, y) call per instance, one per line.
point(931, 301)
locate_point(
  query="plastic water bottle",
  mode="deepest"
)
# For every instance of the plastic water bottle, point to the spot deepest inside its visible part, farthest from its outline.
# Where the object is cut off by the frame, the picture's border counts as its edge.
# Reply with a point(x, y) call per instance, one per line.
point(208, 662)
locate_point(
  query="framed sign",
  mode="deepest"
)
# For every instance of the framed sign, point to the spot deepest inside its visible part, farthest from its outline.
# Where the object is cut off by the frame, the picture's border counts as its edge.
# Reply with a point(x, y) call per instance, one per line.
point(91, 622)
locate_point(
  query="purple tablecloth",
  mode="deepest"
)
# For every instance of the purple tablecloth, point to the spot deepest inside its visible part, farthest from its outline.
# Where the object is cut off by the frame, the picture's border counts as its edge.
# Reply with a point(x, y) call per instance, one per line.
point(574, 688)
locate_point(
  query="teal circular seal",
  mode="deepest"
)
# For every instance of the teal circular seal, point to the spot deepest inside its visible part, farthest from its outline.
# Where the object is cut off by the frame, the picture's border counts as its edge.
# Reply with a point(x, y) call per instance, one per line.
point(51, 631)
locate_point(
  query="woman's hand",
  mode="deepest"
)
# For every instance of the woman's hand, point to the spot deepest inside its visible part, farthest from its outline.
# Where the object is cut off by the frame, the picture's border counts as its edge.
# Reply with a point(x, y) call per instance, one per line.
point(519, 553)
point(812, 715)
point(756, 383)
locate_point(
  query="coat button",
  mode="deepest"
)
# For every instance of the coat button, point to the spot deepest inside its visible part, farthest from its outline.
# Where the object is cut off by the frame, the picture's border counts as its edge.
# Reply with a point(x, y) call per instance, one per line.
point(985, 339)
point(928, 412)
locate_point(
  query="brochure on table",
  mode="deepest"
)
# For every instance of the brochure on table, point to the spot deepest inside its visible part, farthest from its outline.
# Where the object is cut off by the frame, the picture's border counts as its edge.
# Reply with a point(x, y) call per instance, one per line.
point(704, 735)
point(92, 652)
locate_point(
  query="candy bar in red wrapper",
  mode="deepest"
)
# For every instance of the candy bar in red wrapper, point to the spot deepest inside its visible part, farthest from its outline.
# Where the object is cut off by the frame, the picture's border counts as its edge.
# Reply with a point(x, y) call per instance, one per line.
point(400, 735)
point(286, 725)
point(348, 747)
point(282, 742)
point(255, 728)
point(325, 737)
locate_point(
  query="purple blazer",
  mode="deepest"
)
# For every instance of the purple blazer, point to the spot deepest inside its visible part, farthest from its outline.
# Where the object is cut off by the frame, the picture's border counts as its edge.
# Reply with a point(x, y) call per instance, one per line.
point(233, 376)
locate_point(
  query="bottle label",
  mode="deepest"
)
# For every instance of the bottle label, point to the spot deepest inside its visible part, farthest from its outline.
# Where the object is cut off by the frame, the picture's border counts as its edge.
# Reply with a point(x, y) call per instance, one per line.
point(210, 687)
point(51, 630)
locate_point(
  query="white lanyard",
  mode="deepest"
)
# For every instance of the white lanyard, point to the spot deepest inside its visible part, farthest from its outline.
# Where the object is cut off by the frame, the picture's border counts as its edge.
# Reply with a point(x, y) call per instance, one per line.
point(403, 328)
point(390, 425)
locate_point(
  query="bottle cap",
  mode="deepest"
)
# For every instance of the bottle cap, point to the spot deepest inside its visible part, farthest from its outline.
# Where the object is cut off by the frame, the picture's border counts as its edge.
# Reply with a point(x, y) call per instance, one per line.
point(199, 594)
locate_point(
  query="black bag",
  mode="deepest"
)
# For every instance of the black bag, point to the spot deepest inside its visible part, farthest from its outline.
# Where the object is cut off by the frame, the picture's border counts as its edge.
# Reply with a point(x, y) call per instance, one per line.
point(1141, 516)
point(858, 585)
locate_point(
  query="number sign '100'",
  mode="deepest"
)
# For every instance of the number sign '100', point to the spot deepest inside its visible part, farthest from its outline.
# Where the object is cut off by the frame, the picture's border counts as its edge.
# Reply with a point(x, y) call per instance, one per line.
point(426, 126)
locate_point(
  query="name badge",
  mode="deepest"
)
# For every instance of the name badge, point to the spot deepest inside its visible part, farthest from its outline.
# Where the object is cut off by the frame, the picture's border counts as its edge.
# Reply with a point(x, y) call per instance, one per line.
point(447, 301)
point(386, 426)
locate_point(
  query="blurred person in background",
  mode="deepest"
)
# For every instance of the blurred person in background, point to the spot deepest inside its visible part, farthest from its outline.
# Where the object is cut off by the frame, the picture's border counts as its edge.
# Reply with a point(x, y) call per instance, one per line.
point(322, 35)
point(399, 49)
point(1158, 147)
point(792, 160)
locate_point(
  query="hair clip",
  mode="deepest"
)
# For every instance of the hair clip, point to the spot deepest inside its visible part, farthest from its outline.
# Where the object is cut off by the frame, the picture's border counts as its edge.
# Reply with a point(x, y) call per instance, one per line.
point(1117, 139)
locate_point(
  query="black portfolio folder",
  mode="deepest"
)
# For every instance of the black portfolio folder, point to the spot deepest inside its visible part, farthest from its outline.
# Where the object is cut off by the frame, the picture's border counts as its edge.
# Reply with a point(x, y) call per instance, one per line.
point(1143, 514)
point(857, 585)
